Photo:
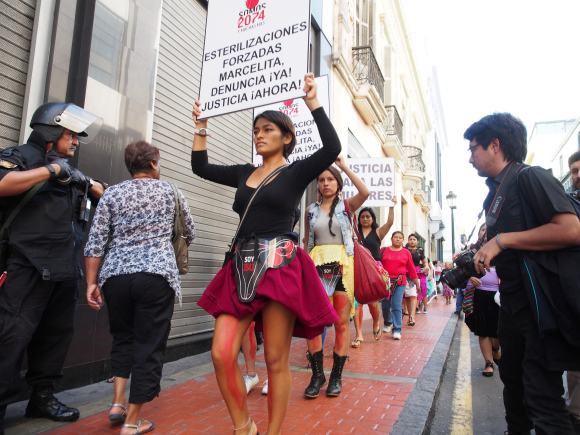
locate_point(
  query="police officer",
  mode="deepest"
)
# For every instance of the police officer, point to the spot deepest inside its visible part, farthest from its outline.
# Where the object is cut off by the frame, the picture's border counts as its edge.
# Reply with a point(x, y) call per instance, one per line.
point(39, 295)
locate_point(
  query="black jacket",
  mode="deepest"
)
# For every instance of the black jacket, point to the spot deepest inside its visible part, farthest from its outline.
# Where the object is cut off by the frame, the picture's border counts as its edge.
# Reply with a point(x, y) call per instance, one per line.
point(47, 232)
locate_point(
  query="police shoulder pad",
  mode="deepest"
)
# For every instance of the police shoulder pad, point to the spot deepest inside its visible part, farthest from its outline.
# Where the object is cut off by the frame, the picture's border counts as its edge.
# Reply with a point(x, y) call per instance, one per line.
point(7, 165)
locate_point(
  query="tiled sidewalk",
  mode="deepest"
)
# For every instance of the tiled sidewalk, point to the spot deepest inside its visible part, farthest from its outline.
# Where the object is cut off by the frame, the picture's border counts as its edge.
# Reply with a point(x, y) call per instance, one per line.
point(376, 383)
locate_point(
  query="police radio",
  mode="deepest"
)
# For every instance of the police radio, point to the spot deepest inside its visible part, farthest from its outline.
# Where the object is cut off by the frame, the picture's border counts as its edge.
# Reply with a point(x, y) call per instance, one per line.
point(85, 207)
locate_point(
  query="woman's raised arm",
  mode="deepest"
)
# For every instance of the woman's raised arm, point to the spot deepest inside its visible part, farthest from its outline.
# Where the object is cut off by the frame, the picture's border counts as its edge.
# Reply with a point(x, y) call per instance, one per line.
point(222, 174)
point(384, 230)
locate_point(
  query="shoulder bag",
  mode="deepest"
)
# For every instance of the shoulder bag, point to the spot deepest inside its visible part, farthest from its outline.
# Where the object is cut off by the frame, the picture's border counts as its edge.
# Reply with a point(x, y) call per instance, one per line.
point(179, 234)
point(230, 254)
point(369, 285)
point(19, 207)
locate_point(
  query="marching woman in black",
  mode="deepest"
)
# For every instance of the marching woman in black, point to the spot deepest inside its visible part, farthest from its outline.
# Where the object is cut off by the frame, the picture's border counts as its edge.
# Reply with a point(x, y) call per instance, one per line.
point(270, 280)
point(372, 236)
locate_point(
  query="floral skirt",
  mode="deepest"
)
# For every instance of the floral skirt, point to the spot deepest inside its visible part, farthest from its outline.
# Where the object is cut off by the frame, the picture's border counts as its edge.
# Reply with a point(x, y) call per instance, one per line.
point(447, 291)
point(296, 286)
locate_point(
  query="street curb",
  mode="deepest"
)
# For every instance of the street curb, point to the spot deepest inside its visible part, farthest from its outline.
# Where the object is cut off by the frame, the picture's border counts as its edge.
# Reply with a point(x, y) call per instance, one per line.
point(415, 413)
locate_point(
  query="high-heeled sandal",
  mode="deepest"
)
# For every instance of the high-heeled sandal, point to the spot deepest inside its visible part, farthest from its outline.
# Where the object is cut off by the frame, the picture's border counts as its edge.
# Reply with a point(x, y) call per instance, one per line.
point(246, 425)
point(411, 321)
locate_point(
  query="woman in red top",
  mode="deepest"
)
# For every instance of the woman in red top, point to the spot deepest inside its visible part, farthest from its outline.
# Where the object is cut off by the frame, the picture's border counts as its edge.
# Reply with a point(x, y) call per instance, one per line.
point(397, 261)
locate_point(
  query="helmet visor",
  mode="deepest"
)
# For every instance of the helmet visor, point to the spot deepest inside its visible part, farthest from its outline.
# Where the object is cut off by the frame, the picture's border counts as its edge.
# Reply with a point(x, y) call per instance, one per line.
point(84, 123)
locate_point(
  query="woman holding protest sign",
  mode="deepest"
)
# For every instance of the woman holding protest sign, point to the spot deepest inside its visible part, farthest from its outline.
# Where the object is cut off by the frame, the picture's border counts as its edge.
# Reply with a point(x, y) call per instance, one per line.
point(286, 297)
point(331, 246)
point(372, 236)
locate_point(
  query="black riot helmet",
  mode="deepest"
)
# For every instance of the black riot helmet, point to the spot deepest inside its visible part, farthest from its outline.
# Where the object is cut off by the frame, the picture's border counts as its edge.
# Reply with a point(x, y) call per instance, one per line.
point(51, 119)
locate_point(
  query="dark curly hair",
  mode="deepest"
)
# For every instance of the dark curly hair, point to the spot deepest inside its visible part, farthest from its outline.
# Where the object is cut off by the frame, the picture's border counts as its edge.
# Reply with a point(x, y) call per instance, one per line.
point(284, 123)
point(509, 130)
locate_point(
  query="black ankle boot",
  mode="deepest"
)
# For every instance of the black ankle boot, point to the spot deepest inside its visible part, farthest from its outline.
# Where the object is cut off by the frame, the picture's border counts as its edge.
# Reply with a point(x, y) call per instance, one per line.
point(43, 404)
point(335, 381)
point(318, 379)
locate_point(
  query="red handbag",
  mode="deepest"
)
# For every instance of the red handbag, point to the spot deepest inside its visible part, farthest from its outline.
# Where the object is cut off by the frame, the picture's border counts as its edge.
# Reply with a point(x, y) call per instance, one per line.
point(369, 285)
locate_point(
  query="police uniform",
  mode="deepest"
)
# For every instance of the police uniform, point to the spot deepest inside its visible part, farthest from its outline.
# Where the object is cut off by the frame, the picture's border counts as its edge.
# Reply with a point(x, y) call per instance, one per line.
point(38, 299)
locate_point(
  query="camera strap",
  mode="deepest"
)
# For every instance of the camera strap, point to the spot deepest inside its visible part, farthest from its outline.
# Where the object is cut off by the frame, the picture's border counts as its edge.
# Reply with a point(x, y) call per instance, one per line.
point(496, 205)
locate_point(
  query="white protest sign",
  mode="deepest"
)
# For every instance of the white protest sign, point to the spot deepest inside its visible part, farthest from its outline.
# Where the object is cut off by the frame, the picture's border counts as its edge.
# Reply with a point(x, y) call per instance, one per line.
point(307, 135)
point(255, 53)
point(379, 176)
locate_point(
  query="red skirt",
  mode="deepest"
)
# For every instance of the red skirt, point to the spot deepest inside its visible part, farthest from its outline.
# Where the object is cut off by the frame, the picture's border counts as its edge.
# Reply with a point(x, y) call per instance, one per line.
point(296, 286)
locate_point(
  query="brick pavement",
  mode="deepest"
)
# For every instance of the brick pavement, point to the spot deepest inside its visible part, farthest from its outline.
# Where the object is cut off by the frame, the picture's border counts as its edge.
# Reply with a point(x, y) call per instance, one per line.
point(376, 383)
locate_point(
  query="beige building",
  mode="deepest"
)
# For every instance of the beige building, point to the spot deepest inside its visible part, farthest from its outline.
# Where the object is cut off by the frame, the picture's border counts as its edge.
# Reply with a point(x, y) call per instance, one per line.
point(378, 101)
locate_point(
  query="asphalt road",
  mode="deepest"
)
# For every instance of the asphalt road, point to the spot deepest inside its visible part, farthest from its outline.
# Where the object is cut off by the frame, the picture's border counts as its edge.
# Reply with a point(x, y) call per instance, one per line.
point(468, 404)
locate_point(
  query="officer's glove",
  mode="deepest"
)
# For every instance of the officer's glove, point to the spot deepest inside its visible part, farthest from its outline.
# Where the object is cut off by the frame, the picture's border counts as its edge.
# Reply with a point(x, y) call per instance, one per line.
point(64, 174)
point(79, 180)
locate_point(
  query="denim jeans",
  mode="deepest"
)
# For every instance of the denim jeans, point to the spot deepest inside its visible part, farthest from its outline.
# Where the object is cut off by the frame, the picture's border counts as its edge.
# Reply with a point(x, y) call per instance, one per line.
point(397, 308)
point(459, 300)
point(386, 308)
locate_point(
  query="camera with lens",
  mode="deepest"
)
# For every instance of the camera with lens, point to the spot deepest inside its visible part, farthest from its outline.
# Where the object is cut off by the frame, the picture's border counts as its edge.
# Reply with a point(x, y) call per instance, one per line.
point(460, 274)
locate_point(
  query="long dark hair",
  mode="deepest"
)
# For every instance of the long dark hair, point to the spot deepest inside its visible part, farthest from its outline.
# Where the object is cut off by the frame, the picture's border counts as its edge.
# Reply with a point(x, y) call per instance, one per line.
point(336, 174)
point(285, 125)
point(374, 225)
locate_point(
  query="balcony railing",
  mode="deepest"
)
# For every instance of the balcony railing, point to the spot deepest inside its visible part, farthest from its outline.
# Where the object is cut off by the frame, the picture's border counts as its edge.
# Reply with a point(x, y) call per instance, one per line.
point(414, 158)
point(392, 123)
point(366, 69)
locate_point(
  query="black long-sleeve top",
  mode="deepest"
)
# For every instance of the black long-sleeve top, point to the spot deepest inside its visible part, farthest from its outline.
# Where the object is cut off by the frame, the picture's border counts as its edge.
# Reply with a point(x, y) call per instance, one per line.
point(272, 211)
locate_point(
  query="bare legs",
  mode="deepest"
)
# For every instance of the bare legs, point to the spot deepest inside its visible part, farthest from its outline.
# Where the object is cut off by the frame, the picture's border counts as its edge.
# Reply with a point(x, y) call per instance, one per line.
point(358, 318)
point(342, 325)
point(249, 348)
point(486, 344)
point(119, 395)
point(132, 416)
point(224, 352)
point(411, 305)
point(278, 327)
point(315, 345)
point(375, 309)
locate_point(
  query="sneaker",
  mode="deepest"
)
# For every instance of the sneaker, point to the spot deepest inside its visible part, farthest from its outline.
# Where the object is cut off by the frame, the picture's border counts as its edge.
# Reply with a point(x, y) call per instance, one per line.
point(251, 381)
point(388, 328)
point(396, 335)
point(417, 311)
point(424, 310)
point(265, 389)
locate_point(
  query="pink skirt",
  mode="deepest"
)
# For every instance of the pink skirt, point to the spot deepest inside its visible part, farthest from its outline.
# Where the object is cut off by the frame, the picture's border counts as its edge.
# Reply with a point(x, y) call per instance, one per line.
point(296, 286)
point(423, 281)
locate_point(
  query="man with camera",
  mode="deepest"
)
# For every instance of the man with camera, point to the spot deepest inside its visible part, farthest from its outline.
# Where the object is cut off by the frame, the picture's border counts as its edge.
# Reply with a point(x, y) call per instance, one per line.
point(533, 231)
point(44, 206)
